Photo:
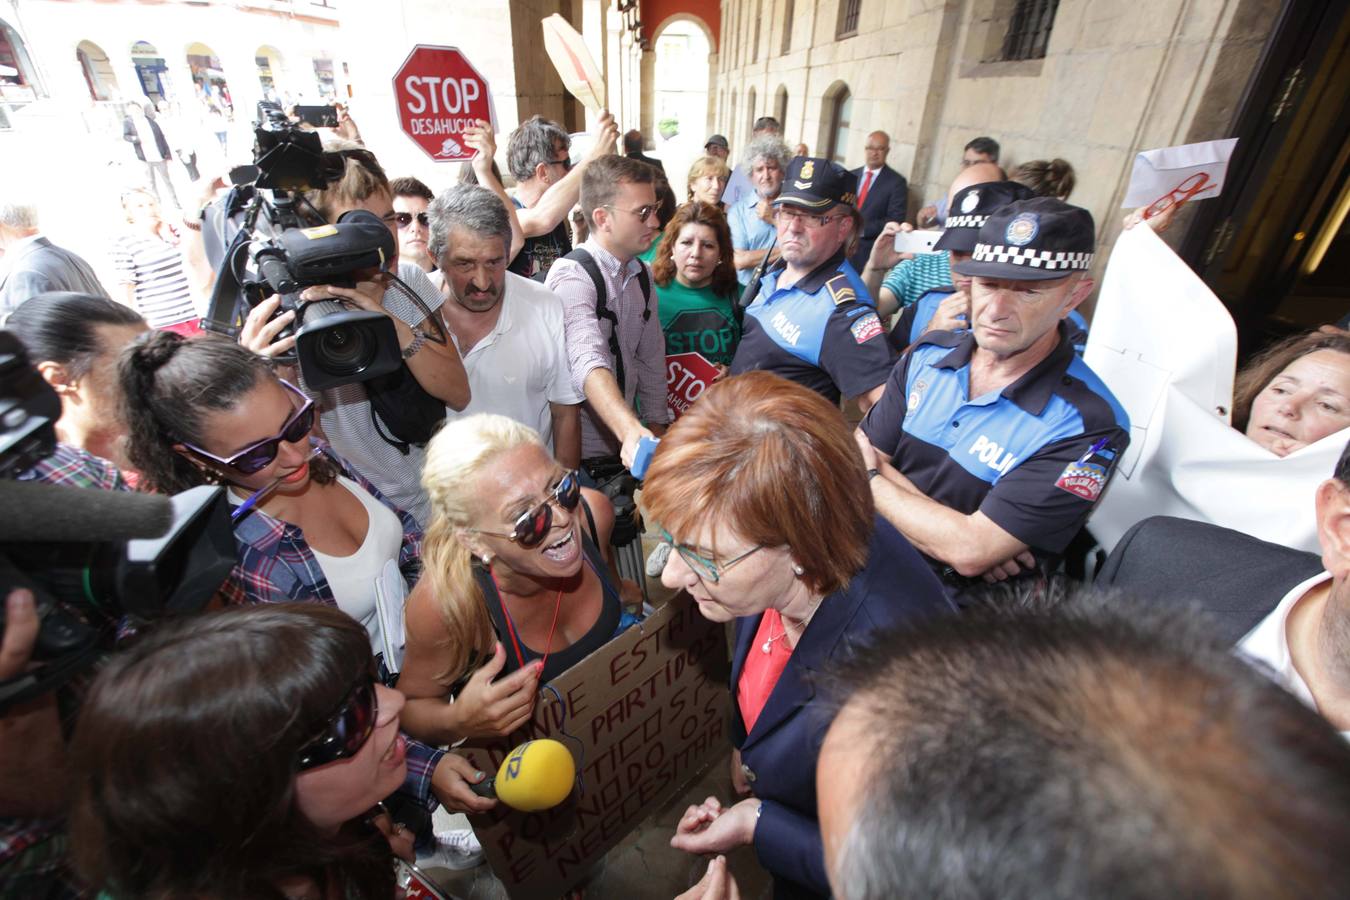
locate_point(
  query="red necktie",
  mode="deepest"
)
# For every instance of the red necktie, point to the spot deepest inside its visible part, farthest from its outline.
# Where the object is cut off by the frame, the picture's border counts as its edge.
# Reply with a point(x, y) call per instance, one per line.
point(862, 192)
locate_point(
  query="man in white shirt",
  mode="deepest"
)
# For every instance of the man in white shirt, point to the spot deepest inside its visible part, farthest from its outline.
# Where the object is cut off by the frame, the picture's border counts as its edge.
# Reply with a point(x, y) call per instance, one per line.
point(1273, 603)
point(509, 329)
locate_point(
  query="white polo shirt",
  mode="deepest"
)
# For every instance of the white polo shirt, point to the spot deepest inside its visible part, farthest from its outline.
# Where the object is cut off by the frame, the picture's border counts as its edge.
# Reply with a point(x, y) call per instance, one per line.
point(520, 367)
point(1268, 644)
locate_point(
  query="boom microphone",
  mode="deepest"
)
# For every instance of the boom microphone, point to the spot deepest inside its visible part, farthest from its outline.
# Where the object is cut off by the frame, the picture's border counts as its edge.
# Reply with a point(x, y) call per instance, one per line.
point(35, 511)
point(536, 775)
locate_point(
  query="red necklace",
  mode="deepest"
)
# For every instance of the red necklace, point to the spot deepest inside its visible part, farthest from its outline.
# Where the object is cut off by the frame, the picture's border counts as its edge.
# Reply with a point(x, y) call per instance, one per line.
point(511, 626)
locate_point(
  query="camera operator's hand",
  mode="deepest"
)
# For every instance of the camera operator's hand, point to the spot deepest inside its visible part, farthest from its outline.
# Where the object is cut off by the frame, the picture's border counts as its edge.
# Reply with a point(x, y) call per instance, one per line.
point(479, 137)
point(367, 295)
point(346, 125)
point(21, 630)
point(260, 329)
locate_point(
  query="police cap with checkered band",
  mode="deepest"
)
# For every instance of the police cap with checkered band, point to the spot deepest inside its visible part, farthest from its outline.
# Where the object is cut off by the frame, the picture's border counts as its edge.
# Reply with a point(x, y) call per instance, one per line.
point(817, 184)
point(971, 208)
point(1033, 240)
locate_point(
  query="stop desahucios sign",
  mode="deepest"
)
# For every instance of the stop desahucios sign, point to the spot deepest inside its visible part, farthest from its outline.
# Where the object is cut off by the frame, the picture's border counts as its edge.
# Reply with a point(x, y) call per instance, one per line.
point(440, 95)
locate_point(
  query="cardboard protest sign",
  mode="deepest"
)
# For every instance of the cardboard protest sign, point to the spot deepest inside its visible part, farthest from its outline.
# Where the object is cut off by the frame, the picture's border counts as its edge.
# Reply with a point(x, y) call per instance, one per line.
point(1167, 348)
point(1172, 175)
point(687, 377)
point(576, 67)
point(643, 716)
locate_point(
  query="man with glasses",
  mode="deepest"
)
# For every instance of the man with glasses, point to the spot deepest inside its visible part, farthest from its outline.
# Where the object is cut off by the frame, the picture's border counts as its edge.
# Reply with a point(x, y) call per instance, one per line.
point(411, 198)
point(993, 444)
point(812, 320)
point(614, 343)
point(508, 328)
point(547, 187)
point(883, 195)
point(750, 214)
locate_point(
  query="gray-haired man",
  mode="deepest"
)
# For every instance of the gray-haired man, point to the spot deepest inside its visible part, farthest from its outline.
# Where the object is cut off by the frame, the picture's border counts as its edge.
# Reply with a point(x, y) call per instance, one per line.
point(751, 217)
point(509, 329)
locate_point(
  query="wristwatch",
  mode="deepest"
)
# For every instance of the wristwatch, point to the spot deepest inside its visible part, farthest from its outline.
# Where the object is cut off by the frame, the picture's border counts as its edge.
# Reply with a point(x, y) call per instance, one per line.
point(418, 340)
point(872, 473)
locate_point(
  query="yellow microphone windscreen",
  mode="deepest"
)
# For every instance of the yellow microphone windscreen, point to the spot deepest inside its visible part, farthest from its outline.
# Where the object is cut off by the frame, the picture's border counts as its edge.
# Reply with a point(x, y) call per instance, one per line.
point(536, 775)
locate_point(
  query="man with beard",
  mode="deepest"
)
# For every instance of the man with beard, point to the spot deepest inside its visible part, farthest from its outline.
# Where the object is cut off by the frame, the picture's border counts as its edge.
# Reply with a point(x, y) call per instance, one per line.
point(509, 329)
point(751, 216)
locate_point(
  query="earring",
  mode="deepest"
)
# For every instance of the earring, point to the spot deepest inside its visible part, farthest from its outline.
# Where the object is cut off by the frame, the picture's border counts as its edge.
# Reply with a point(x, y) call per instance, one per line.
point(486, 559)
point(798, 570)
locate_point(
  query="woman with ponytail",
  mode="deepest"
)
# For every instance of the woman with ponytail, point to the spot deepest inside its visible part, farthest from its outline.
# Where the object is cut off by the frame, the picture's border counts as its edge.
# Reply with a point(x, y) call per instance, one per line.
point(208, 411)
point(514, 581)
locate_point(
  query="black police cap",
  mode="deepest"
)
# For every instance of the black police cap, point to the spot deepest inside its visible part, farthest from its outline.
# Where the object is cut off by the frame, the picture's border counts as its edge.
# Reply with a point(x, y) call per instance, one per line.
point(817, 184)
point(1033, 240)
point(971, 208)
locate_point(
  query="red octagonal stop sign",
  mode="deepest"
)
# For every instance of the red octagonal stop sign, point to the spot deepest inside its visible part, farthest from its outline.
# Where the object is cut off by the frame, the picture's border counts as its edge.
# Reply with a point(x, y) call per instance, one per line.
point(439, 96)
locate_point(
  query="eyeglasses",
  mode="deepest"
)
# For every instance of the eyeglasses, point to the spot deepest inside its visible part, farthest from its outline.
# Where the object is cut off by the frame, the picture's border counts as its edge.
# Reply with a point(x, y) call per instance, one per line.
point(405, 219)
point(707, 569)
point(533, 525)
point(565, 162)
point(642, 212)
point(347, 730)
point(785, 216)
point(259, 455)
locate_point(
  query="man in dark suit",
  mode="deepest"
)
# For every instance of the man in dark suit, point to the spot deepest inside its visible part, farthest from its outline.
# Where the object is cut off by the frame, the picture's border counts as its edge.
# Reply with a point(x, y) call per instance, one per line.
point(33, 265)
point(1282, 608)
point(632, 148)
point(882, 195)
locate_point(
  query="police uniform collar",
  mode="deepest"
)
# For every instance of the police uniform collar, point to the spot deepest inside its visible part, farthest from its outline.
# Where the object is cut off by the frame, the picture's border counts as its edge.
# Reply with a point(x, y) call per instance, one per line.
point(1034, 389)
point(815, 280)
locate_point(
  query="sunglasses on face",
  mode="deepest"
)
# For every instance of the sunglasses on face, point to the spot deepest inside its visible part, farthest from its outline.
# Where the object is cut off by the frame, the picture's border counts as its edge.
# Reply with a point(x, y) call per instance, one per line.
point(347, 730)
point(259, 455)
point(405, 219)
point(533, 525)
point(565, 162)
point(708, 569)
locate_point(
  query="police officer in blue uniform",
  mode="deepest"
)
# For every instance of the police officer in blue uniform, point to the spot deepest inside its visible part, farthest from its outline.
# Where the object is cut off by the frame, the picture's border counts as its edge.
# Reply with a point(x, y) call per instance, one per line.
point(812, 320)
point(991, 446)
point(928, 313)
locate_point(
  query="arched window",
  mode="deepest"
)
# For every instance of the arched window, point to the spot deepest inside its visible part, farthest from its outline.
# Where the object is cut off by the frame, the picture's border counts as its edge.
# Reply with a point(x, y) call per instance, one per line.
point(98, 71)
point(16, 69)
point(750, 111)
point(840, 104)
point(780, 105)
point(731, 116)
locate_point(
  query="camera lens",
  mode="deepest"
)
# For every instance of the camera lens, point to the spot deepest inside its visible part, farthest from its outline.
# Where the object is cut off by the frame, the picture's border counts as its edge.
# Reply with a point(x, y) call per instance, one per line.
point(345, 349)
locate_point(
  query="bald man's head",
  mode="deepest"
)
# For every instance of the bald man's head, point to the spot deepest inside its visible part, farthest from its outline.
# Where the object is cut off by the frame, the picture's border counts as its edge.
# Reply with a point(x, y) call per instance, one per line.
point(877, 147)
point(979, 173)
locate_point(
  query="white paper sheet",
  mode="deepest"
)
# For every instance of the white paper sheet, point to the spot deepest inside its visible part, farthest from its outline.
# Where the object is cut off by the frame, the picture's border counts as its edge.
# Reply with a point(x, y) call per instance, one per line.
point(1159, 172)
point(1167, 347)
point(391, 592)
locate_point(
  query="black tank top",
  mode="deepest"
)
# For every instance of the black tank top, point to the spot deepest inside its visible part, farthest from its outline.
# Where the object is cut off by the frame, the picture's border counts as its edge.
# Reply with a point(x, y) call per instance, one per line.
point(559, 660)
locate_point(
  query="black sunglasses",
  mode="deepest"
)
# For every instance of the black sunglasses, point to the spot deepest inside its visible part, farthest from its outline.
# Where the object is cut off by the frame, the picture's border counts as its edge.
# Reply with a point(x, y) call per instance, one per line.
point(533, 525)
point(347, 730)
point(405, 219)
point(259, 456)
point(565, 162)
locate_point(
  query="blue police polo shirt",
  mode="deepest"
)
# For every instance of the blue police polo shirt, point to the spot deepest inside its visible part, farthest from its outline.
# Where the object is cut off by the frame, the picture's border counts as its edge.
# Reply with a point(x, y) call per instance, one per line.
point(1033, 457)
point(914, 319)
point(822, 332)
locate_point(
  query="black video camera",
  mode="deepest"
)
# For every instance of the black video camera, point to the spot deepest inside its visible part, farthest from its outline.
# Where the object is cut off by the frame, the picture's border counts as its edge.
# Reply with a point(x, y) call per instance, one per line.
point(93, 559)
point(333, 344)
point(278, 248)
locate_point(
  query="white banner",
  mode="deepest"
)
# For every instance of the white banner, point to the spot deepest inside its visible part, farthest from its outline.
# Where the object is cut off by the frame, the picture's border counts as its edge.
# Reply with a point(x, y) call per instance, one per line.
point(1167, 348)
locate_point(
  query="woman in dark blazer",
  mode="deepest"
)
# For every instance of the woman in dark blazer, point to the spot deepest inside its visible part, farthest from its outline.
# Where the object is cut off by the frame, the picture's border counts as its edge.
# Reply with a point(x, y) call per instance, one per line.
point(762, 492)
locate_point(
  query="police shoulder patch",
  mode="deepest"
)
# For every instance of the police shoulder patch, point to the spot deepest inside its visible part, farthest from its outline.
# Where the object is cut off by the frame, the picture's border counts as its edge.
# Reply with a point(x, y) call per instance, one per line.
point(866, 328)
point(1083, 479)
point(840, 289)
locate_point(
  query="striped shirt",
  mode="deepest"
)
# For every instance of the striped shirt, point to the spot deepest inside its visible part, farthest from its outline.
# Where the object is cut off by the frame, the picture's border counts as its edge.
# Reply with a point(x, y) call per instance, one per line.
point(348, 423)
point(912, 278)
point(155, 268)
point(641, 343)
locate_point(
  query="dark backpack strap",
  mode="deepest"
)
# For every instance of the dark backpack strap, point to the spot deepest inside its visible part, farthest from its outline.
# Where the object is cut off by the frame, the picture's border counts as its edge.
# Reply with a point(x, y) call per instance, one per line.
point(590, 521)
point(602, 310)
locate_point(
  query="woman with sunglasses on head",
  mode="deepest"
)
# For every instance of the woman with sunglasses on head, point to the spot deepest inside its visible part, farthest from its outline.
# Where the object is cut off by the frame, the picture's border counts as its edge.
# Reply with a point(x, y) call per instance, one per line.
point(209, 411)
point(245, 754)
point(762, 492)
point(514, 581)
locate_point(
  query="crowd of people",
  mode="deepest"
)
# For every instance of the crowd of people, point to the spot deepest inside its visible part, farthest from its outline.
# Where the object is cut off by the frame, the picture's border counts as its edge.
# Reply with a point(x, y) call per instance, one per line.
point(878, 490)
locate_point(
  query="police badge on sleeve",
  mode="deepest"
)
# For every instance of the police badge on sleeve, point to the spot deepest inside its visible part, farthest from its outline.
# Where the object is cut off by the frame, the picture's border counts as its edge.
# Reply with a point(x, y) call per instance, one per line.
point(866, 328)
point(1086, 476)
